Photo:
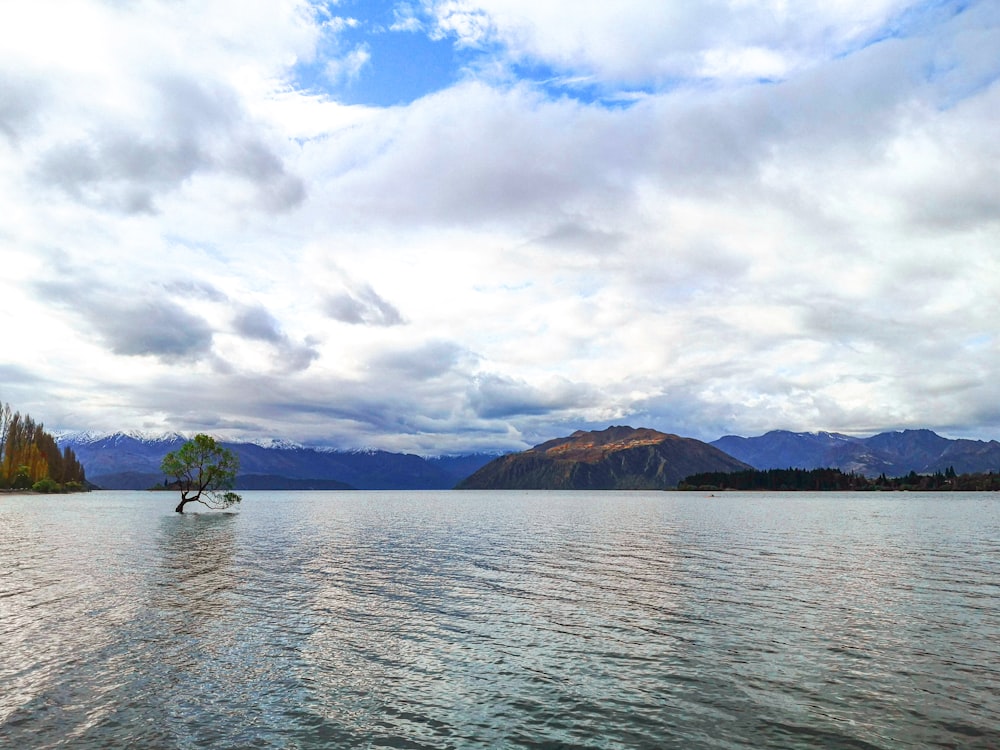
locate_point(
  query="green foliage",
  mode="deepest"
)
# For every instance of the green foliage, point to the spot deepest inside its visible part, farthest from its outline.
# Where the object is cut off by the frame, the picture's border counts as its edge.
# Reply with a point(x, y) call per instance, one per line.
point(22, 480)
point(47, 486)
point(204, 471)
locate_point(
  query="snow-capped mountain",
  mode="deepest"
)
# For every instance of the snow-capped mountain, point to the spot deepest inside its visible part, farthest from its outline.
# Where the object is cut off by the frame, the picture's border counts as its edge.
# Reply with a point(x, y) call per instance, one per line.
point(88, 437)
point(280, 443)
point(131, 460)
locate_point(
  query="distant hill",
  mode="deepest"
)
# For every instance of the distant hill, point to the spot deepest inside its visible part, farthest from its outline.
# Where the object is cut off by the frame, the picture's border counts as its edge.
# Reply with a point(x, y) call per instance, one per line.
point(132, 461)
point(618, 458)
point(891, 453)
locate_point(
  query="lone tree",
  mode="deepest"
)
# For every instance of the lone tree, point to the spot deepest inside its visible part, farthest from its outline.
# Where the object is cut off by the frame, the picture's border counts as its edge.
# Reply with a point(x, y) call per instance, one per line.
point(204, 472)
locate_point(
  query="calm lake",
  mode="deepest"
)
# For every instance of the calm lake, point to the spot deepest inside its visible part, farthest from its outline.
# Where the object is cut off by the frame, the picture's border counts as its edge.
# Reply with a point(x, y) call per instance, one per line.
point(501, 619)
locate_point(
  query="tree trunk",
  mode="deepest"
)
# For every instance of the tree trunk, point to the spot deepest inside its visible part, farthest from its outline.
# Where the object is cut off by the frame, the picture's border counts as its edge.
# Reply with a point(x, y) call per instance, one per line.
point(185, 500)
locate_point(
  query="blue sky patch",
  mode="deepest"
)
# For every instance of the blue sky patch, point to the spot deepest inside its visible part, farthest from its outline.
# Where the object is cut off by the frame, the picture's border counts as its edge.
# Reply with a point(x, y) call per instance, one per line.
point(384, 53)
point(372, 56)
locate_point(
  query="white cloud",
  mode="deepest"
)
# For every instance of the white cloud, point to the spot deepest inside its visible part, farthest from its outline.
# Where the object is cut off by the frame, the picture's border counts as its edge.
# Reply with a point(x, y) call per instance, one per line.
point(656, 40)
point(189, 239)
point(406, 19)
point(348, 67)
point(747, 62)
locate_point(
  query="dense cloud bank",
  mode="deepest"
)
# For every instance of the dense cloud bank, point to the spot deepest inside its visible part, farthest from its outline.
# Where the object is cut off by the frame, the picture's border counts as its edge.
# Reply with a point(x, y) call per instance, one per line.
point(709, 219)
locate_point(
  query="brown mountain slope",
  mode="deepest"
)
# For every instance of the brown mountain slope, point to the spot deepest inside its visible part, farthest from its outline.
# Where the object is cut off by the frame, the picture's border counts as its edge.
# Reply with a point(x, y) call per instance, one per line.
point(618, 458)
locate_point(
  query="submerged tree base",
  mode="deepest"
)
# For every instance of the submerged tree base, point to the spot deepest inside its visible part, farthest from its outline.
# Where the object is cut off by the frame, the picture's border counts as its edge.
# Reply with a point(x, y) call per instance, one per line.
point(215, 501)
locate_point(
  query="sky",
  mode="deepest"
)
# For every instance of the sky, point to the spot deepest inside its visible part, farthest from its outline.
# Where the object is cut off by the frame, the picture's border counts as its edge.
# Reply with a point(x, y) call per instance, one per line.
point(445, 226)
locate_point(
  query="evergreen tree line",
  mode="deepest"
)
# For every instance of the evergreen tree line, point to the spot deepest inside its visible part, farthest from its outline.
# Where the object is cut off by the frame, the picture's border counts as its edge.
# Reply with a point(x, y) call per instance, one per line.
point(811, 480)
point(31, 459)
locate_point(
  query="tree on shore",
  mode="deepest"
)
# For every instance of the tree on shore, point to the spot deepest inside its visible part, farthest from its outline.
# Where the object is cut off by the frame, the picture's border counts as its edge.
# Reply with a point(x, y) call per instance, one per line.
point(29, 455)
point(204, 471)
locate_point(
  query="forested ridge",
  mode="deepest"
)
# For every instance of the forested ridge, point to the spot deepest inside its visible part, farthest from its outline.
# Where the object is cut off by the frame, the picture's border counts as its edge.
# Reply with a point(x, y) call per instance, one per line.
point(791, 480)
point(31, 459)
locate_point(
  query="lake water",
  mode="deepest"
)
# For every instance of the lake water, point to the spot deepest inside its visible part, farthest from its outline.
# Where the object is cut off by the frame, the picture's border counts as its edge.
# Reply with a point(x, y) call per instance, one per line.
point(501, 619)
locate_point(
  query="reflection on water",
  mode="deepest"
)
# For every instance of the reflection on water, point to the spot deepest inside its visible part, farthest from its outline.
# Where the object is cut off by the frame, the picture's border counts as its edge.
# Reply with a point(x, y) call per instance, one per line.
point(452, 620)
point(193, 580)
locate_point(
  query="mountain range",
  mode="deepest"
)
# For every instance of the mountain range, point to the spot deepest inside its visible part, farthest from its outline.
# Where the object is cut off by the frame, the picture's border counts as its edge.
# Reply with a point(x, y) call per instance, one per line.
point(889, 453)
point(124, 461)
point(584, 459)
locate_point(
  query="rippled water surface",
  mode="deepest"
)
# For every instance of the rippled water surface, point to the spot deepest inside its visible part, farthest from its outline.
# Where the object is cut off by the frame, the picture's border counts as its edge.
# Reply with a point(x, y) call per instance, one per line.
point(502, 619)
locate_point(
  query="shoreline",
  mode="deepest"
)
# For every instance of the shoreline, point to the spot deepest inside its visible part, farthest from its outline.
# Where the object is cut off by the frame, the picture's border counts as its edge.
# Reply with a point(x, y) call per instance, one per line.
point(32, 492)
